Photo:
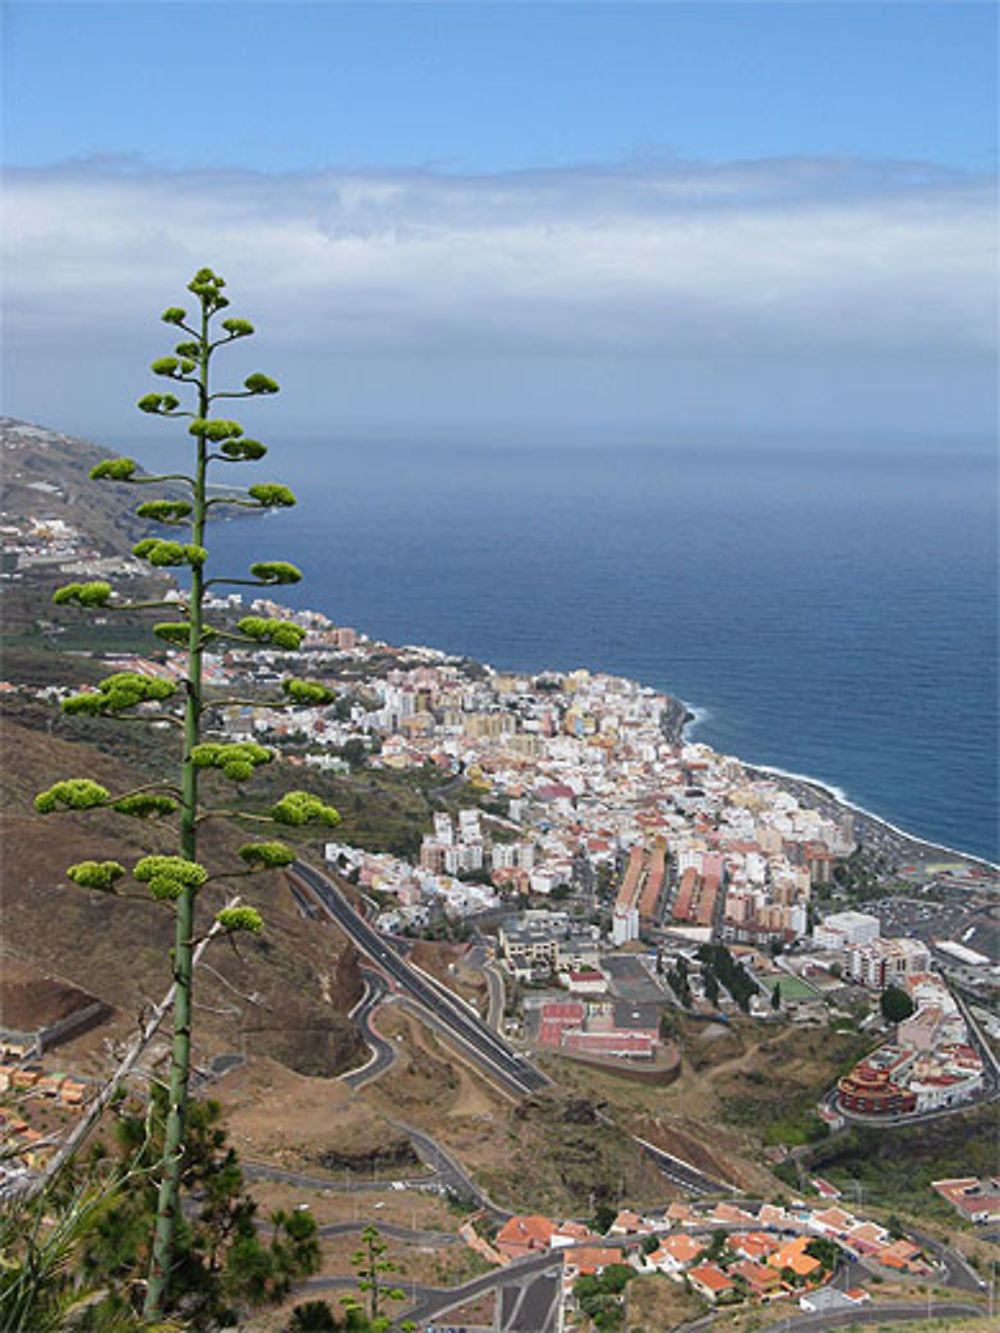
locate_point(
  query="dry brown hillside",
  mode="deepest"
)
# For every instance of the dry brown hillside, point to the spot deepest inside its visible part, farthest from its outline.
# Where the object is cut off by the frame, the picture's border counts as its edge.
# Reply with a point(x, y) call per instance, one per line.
point(285, 995)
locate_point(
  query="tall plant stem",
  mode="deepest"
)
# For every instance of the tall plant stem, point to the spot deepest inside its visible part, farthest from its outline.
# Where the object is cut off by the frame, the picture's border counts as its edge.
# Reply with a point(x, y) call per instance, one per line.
point(168, 1201)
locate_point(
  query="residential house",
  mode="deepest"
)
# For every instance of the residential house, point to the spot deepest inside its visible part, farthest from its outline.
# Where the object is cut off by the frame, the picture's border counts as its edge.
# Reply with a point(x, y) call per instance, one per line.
point(710, 1281)
point(520, 1236)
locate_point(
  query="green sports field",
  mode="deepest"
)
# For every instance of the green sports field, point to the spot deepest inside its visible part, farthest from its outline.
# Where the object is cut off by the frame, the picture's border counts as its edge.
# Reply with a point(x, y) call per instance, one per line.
point(791, 987)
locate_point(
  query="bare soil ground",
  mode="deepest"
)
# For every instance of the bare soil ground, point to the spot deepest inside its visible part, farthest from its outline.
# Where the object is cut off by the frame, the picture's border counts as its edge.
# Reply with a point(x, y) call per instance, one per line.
point(419, 1210)
point(278, 1116)
point(446, 963)
point(655, 1303)
point(29, 999)
point(284, 995)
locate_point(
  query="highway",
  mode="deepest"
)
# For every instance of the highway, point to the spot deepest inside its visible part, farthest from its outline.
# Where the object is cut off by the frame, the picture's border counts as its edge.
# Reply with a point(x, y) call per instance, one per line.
point(489, 1051)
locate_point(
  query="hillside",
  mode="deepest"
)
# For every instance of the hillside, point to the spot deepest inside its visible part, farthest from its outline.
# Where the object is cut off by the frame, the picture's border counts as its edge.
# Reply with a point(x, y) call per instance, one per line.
point(285, 996)
point(45, 471)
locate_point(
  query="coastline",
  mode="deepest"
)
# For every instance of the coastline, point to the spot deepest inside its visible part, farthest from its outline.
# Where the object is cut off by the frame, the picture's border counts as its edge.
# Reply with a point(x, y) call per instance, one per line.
point(871, 829)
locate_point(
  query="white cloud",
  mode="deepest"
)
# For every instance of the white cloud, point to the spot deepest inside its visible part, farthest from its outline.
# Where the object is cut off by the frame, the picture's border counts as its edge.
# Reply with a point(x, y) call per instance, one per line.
point(791, 260)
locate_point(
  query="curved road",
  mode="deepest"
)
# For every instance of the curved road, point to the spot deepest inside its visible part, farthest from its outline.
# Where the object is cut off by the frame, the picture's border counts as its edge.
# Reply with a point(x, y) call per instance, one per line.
point(383, 1052)
point(491, 1053)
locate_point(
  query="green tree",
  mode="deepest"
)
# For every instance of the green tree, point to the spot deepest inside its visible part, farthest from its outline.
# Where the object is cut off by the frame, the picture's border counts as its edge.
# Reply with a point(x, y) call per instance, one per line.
point(177, 882)
point(222, 1262)
point(312, 1317)
point(776, 997)
point(826, 1251)
point(896, 1004)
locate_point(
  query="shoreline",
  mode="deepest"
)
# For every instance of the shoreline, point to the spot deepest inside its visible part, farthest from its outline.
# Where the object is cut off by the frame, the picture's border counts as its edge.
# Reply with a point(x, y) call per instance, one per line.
point(869, 826)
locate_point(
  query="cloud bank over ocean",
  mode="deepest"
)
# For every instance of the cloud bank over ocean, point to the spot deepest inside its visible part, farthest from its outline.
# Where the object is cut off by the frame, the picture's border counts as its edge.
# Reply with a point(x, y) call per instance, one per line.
point(636, 291)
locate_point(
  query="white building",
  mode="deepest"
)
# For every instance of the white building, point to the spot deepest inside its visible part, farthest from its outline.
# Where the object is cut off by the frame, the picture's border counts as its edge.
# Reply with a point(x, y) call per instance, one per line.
point(842, 929)
point(881, 963)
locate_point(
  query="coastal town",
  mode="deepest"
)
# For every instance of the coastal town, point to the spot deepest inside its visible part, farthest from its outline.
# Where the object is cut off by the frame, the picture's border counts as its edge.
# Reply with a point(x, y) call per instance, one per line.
point(606, 875)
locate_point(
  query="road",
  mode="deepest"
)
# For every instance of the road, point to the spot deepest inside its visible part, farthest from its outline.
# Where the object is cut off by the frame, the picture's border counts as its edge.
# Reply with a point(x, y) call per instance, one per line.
point(879, 1314)
point(383, 1052)
point(479, 958)
point(431, 1304)
point(352, 1184)
point(445, 1174)
point(488, 1050)
point(532, 1306)
point(682, 1173)
point(450, 1174)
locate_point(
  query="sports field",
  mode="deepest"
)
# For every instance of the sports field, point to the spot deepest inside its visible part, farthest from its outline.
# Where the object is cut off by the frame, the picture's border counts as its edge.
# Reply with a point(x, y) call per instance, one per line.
point(792, 988)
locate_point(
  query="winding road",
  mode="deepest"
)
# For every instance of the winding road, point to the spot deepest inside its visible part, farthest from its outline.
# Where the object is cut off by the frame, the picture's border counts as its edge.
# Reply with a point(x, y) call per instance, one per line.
point(383, 1052)
point(504, 1066)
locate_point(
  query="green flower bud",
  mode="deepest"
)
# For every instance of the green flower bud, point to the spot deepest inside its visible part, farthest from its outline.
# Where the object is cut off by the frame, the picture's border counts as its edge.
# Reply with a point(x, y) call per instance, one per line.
point(83, 594)
point(215, 430)
point(168, 876)
point(164, 511)
point(275, 571)
point(165, 365)
point(175, 632)
point(145, 805)
point(248, 450)
point(301, 807)
point(237, 761)
point(267, 855)
point(281, 633)
point(308, 692)
point(74, 794)
point(96, 874)
point(234, 919)
point(114, 469)
point(271, 495)
point(123, 689)
point(173, 315)
point(150, 403)
point(258, 383)
point(239, 328)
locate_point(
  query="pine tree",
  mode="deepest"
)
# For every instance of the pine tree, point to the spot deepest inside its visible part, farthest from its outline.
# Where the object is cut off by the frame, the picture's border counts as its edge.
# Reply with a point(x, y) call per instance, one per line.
point(177, 881)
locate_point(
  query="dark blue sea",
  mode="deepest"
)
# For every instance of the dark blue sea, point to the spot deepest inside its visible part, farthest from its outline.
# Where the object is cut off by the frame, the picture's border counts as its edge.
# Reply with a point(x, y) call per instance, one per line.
point(826, 608)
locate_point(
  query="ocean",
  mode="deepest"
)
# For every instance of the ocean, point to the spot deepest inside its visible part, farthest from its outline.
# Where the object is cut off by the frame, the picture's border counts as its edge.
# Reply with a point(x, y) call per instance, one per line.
point(824, 608)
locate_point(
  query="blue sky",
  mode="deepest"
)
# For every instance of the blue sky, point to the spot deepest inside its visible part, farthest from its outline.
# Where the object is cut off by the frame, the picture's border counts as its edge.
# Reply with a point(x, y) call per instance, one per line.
point(496, 87)
point(659, 214)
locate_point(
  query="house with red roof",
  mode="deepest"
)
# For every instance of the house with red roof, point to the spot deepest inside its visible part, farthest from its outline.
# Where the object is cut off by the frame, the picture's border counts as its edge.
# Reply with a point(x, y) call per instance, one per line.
point(676, 1252)
point(754, 1245)
point(710, 1281)
point(571, 1233)
point(793, 1255)
point(628, 1223)
point(590, 1259)
point(761, 1280)
point(520, 1236)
